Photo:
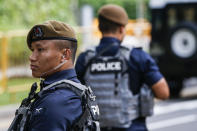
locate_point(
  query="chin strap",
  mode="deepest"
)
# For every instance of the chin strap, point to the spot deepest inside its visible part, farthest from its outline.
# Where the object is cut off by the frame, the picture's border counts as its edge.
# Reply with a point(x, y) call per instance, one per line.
point(55, 68)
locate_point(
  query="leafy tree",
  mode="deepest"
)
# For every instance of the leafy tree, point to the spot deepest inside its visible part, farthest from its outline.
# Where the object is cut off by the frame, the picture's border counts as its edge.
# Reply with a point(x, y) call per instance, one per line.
point(129, 5)
point(25, 13)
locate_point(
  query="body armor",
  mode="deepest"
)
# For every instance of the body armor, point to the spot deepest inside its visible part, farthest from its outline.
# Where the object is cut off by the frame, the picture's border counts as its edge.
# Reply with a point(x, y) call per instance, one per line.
point(109, 78)
point(88, 121)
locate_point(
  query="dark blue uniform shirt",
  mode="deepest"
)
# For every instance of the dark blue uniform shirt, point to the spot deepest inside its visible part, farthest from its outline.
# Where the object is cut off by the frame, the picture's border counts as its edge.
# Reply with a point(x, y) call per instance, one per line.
point(142, 68)
point(57, 109)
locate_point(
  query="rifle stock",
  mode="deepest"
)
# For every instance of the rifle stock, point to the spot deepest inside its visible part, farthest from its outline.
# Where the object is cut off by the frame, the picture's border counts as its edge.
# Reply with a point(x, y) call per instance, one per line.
point(22, 113)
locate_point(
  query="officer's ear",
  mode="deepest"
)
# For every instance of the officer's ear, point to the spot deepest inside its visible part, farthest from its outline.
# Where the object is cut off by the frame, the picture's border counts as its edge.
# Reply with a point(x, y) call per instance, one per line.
point(121, 29)
point(66, 54)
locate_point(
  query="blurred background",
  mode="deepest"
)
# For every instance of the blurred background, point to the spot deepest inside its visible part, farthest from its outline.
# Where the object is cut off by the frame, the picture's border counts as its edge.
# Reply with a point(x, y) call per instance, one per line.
point(167, 29)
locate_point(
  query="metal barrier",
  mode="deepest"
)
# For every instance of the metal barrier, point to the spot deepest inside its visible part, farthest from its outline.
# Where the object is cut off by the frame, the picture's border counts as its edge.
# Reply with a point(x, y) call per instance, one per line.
point(5, 36)
point(4, 63)
point(139, 27)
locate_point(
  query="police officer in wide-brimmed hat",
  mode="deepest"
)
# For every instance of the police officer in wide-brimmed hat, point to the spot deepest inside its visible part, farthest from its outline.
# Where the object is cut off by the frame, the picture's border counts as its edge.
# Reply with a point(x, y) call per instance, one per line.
point(116, 75)
point(61, 104)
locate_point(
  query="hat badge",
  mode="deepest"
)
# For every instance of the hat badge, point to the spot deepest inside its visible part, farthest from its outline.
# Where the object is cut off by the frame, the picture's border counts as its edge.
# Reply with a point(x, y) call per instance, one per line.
point(38, 32)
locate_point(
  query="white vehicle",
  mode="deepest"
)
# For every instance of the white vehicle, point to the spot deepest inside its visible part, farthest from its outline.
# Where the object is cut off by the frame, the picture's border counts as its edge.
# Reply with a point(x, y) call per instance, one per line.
point(174, 40)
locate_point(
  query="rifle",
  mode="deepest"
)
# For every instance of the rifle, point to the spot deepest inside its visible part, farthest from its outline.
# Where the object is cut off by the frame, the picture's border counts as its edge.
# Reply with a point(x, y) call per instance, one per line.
point(23, 112)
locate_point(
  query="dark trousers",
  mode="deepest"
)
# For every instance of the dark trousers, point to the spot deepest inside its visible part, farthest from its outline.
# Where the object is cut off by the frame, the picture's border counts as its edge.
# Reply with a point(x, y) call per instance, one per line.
point(137, 125)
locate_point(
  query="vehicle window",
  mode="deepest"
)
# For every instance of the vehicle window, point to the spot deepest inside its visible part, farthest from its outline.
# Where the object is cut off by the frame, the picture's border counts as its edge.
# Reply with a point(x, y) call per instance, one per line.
point(189, 14)
point(157, 21)
point(172, 20)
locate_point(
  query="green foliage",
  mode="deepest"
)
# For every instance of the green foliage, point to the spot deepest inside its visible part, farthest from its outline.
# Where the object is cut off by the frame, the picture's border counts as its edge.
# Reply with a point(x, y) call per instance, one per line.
point(20, 81)
point(18, 51)
point(129, 5)
point(20, 14)
point(5, 97)
point(25, 13)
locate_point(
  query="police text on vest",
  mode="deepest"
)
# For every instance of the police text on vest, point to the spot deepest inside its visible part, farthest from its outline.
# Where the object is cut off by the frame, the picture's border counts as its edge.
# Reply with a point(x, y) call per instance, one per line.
point(106, 66)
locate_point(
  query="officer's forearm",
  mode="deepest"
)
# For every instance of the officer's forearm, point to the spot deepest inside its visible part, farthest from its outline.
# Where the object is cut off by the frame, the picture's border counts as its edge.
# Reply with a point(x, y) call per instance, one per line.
point(161, 89)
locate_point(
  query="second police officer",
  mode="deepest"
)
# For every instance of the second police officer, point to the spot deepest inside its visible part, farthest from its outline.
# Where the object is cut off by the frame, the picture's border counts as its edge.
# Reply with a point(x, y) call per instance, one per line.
point(116, 74)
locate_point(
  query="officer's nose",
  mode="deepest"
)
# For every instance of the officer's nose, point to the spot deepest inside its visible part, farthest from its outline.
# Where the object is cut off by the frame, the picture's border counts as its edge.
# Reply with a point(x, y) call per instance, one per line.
point(32, 57)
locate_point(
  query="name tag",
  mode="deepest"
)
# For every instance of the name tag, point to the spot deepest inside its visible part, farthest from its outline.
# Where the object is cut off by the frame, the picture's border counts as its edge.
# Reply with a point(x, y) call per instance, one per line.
point(109, 66)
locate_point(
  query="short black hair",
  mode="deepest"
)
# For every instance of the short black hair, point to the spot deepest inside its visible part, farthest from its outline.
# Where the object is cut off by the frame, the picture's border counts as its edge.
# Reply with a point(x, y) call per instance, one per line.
point(63, 44)
point(107, 26)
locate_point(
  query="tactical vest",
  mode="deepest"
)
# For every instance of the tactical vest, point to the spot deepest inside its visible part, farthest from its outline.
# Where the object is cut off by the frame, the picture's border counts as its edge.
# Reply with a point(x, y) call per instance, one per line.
point(109, 79)
point(88, 121)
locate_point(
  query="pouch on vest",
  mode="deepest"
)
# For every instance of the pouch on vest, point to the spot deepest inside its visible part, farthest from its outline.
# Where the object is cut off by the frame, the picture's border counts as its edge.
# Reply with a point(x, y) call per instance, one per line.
point(146, 101)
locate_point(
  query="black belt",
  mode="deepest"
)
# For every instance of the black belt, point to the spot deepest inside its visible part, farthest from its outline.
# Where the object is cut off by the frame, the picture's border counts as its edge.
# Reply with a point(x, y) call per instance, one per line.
point(139, 119)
